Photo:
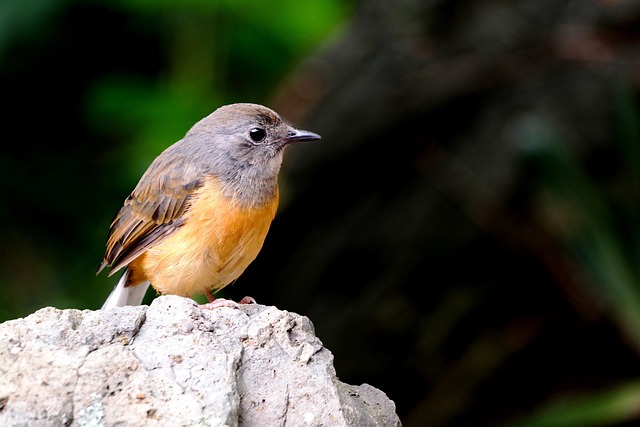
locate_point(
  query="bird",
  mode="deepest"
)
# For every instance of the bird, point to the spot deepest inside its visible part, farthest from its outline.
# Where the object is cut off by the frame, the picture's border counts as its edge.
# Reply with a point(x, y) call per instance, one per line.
point(200, 213)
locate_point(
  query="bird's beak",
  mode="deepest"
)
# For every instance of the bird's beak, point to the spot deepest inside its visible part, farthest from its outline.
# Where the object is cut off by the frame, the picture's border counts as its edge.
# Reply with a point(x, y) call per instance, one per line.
point(296, 135)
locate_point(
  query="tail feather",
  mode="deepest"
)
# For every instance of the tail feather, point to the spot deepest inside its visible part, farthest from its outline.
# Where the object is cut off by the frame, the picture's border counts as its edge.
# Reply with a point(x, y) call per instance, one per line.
point(126, 295)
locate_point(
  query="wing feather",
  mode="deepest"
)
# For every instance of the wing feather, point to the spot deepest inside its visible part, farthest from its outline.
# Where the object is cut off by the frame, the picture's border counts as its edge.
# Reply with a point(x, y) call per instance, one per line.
point(154, 210)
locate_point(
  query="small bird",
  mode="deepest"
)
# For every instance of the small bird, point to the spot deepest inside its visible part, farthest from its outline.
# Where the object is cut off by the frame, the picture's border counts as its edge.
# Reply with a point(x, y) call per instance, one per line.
point(200, 213)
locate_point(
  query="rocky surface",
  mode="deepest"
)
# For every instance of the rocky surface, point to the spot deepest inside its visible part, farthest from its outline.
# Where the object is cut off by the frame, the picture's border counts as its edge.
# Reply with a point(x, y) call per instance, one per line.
point(172, 363)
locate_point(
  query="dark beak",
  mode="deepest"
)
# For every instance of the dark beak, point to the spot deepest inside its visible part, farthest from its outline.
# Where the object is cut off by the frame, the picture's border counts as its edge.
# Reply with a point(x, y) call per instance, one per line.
point(296, 135)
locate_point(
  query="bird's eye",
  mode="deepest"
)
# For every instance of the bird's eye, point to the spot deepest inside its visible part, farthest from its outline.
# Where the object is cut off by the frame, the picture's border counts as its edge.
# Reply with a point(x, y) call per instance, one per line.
point(257, 134)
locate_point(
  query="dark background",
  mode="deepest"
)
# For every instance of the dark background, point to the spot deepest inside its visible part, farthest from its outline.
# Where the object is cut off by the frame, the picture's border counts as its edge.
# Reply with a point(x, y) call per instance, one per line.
point(464, 237)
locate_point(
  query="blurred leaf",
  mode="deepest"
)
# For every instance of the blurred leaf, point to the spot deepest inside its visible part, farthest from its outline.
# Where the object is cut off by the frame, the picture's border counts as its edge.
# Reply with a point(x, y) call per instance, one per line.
point(587, 223)
point(603, 408)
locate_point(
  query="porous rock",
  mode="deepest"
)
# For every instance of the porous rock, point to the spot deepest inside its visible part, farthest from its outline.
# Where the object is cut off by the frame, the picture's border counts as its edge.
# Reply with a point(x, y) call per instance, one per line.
point(174, 364)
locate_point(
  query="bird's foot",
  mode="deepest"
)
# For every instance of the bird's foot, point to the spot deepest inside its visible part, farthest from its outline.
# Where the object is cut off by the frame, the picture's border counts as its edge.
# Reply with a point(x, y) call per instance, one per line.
point(247, 300)
point(221, 302)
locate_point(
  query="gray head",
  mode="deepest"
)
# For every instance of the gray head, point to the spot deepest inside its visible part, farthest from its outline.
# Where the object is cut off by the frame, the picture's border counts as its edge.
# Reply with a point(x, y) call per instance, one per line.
point(243, 145)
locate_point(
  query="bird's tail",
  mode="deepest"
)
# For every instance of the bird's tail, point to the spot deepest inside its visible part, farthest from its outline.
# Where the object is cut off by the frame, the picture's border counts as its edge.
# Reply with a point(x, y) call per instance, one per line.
point(126, 295)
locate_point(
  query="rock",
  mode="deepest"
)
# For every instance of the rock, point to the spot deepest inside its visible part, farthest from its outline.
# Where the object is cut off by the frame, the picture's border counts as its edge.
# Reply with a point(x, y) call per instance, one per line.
point(173, 364)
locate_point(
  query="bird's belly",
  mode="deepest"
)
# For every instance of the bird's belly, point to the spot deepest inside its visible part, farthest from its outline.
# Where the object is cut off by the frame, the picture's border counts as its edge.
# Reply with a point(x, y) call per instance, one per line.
point(212, 248)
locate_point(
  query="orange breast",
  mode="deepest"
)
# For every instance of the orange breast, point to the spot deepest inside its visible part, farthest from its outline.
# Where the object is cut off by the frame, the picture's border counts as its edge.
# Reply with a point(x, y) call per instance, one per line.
point(212, 249)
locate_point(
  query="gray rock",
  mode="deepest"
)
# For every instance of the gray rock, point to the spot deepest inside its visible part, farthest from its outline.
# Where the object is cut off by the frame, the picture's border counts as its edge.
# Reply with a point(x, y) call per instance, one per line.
point(173, 364)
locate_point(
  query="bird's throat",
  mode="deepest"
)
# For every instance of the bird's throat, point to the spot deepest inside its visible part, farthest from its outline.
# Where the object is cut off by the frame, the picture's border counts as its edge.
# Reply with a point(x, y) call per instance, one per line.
point(248, 192)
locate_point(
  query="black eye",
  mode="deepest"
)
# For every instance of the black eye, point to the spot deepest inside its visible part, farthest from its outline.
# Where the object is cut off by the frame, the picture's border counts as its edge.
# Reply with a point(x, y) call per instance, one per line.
point(257, 134)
